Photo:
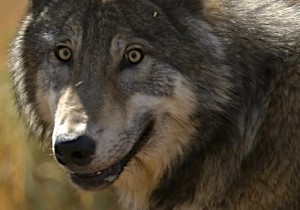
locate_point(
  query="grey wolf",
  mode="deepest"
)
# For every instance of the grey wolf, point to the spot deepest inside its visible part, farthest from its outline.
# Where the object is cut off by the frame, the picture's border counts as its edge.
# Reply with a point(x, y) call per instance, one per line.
point(178, 104)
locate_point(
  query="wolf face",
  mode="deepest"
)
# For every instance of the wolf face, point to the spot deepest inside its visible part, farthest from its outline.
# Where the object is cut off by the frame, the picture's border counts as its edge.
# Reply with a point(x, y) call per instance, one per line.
point(115, 88)
point(153, 96)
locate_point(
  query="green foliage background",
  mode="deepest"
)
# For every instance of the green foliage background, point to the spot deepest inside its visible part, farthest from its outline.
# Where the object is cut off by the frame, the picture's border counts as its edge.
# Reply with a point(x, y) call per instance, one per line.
point(30, 179)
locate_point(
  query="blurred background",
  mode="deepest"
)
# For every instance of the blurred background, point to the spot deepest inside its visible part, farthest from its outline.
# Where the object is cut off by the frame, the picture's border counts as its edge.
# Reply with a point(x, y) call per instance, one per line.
point(30, 179)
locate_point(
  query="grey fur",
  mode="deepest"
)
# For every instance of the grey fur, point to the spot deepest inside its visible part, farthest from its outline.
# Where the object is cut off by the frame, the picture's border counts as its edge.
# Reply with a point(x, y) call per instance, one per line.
point(236, 61)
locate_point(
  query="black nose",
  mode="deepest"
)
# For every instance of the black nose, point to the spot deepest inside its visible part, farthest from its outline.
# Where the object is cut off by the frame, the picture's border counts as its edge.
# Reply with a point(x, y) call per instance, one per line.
point(77, 151)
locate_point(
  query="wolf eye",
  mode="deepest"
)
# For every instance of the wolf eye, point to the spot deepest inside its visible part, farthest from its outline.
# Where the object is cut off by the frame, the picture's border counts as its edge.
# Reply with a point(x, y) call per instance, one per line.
point(63, 53)
point(134, 56)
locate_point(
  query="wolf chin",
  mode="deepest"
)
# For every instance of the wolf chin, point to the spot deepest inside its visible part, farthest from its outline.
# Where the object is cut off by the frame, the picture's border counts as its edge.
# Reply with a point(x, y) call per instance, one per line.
point(174, 104)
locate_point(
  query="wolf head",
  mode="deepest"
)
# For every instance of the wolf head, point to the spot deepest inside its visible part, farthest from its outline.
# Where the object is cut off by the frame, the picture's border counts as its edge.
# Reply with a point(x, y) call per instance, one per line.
point(121, 87)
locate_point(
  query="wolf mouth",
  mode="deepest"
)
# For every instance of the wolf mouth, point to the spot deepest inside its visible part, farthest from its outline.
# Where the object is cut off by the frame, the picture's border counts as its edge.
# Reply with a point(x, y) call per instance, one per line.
point(104, 178)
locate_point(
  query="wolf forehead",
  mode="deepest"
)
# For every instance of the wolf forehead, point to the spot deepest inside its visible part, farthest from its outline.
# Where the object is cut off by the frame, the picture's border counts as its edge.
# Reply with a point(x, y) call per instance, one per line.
point(107, 15)
point(106, 1)
point(151, 19)
point(96, 24)
point(90, 25)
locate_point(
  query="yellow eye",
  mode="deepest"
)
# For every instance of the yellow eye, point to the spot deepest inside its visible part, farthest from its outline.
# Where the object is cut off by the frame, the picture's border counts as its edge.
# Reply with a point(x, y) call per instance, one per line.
point(134, 56)
point(63, 53)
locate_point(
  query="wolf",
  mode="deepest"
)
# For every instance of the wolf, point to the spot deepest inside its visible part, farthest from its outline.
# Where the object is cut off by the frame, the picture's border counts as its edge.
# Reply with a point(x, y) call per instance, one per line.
point(174, 104)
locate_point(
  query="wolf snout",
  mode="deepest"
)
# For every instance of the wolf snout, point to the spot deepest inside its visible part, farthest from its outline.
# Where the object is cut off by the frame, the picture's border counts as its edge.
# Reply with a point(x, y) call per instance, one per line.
point(77, 151)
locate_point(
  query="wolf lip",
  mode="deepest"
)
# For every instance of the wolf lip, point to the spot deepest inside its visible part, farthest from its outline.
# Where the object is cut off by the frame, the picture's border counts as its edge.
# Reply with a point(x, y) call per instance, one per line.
point(97, 180)
point(102, 179)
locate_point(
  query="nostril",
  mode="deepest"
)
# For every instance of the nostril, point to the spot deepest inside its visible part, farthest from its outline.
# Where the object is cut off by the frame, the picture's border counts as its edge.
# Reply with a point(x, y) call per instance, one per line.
point(78, 151)
point(58, 155)
point(79, 155)
point(57, 151)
